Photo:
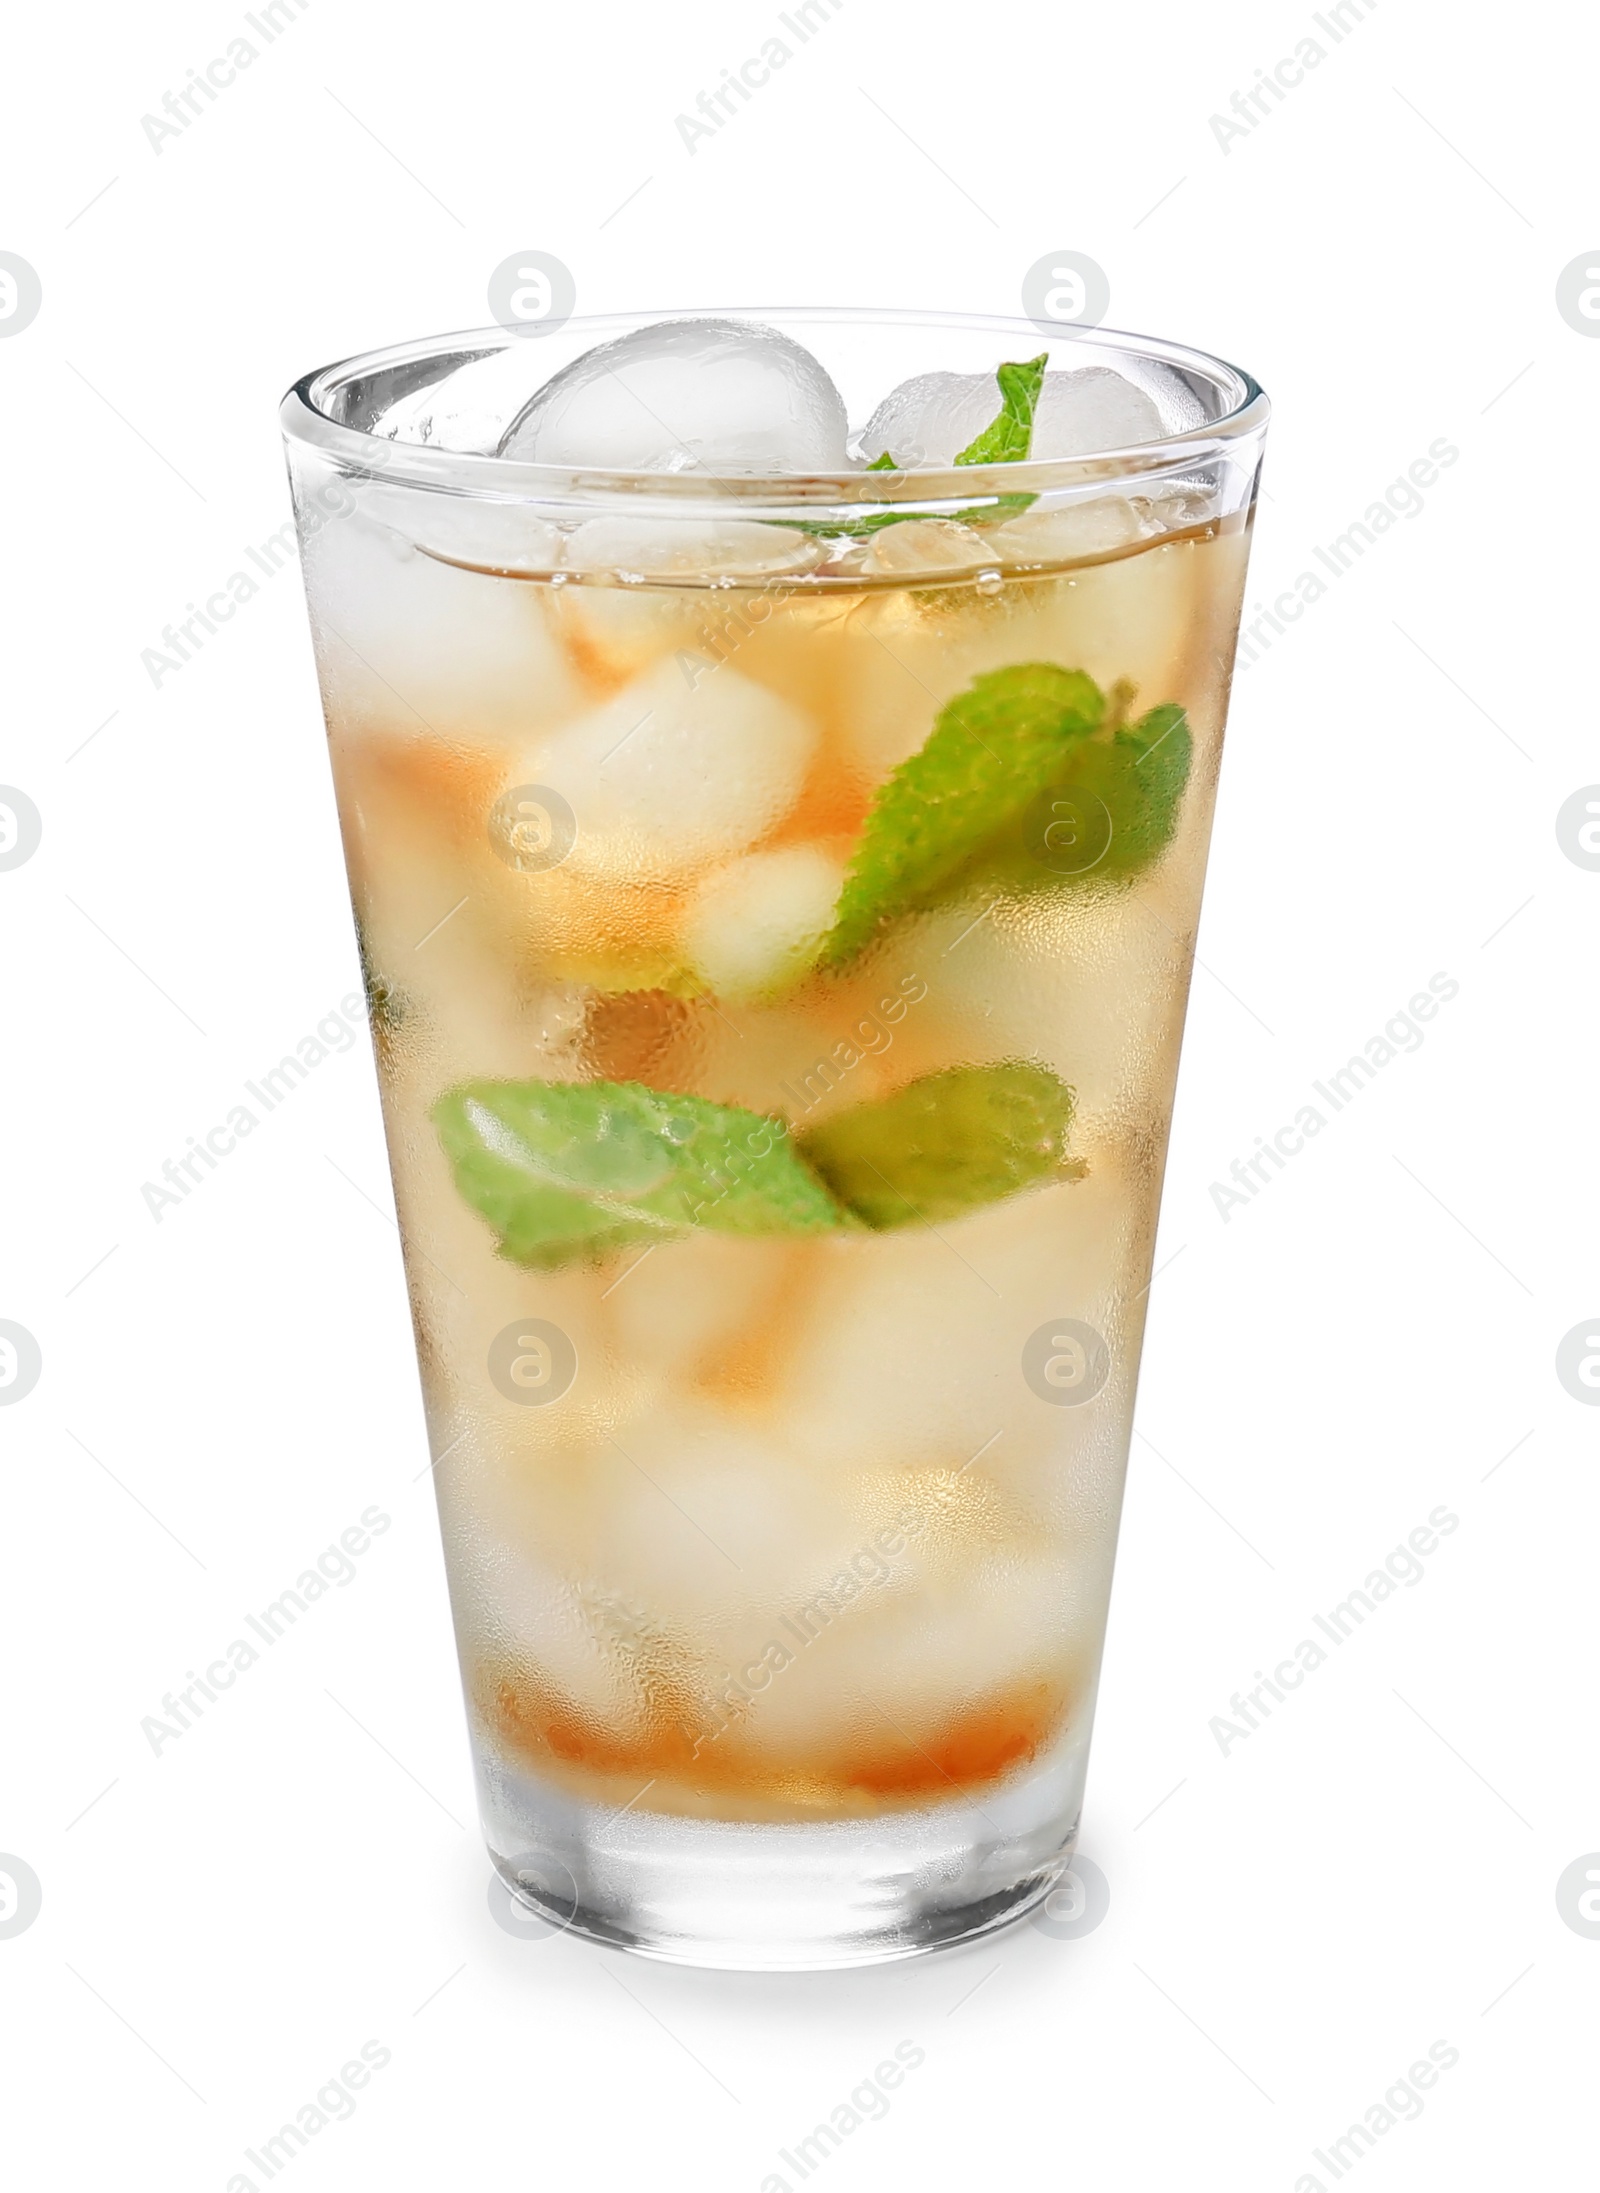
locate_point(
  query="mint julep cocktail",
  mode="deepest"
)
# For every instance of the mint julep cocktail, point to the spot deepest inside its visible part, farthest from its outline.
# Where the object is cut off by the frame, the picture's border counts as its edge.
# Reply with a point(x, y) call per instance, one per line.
point(777, 848)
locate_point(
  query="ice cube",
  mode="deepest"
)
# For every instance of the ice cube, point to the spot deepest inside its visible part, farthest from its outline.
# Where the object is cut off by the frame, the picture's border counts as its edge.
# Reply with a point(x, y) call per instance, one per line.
point(666, 777)
point(985, 1647)
point(931, 545)
point(687, 1306)
point(465, 409)
point(1180, 408)
point(756, 925)
point(408, 641)
point(1091, 409)
point(904, 1353)
point(714, 396)
point(781, 1058)
point(483, 536)
point(699, 1515)
point(682, 549)
point(1084, 987)
point(928, 418)
point(615, 630)
point(525, 1610)
point(931, 418)
point(1057, 536)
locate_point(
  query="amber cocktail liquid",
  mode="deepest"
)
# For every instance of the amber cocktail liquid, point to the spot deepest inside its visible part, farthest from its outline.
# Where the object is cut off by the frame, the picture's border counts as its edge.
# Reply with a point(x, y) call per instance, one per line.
point(777, 850)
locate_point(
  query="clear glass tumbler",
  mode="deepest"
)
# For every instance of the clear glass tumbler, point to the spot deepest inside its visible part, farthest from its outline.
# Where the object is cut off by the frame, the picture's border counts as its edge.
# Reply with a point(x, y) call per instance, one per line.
point(777, 899)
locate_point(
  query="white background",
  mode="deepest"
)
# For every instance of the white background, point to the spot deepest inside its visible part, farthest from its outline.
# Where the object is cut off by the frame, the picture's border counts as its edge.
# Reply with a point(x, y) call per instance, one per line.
point(1292, 1924)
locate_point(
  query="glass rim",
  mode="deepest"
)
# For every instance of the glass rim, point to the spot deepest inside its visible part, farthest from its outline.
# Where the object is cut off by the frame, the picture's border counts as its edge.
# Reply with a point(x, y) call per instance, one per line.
point(307, 422)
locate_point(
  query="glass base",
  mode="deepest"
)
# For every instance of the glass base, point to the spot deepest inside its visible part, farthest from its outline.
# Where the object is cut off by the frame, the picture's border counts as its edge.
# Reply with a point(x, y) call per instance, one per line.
point(783, 1898)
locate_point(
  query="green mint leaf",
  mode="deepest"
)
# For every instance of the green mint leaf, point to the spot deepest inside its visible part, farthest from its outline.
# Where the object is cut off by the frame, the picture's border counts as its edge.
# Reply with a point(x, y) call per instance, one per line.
point(1108, 814)
point(1140, 776)
point(991, 751)
point(1007, 439)
point(563, 1170)
point(946, 1144)
point(848, 529)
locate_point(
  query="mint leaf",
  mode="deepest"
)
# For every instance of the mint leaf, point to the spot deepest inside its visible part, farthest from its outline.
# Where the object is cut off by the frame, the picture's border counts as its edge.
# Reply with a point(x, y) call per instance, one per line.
point(1026, 781)
point(990, 752)
point(570, 1170)
point(1140, 775)
point(1007, 439)
point(1109, 813)
point(946, 1144)
point(849, 529)
point(563, 1170)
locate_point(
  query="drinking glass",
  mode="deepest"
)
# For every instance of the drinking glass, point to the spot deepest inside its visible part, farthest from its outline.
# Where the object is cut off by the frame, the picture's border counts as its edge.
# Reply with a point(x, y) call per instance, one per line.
point(777, 897)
